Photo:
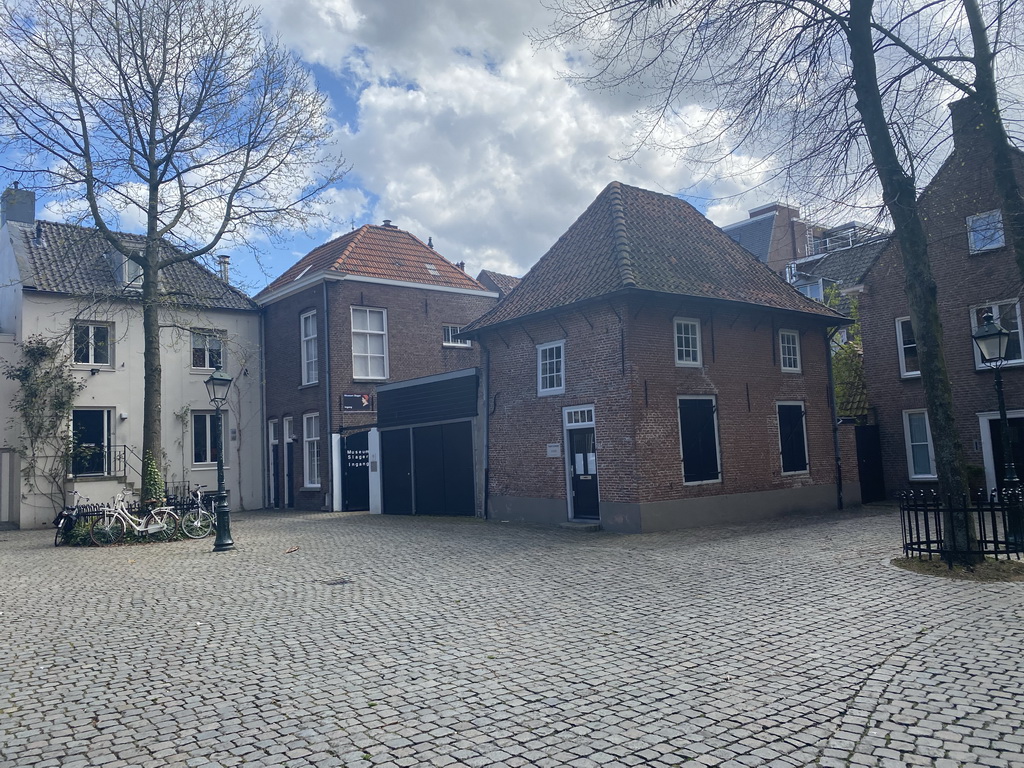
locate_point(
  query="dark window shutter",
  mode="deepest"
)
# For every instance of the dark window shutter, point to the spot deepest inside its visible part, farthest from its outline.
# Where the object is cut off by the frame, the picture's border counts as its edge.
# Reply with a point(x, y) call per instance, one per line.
point(700, 442)
point(791, 438)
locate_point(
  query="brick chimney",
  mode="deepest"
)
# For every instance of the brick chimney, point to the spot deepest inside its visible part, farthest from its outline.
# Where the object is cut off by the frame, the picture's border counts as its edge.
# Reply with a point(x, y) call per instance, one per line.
point(968, 124)
point(17, 204)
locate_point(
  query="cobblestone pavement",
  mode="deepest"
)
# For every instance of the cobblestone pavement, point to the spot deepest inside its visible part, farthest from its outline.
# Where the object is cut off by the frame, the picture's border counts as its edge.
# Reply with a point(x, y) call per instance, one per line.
point(454, 642)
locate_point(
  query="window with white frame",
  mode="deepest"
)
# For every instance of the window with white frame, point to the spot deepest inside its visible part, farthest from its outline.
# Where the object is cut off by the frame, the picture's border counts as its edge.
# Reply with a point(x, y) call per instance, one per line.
point(311, 450)
point(206, 436)
point(369, 343)
point(1007, 314)
point(450, 337)
point(920, 452)
point(307, 330)
point(687, 341)
point(985, 231)
point(551, 368)
point(207, 349)
point(906, 345)
point(789, 350)
point(792, 437)
point(92, 343)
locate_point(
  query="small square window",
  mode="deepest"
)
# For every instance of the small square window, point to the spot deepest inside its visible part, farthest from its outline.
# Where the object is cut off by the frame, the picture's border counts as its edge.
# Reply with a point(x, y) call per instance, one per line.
point(985, 231)
point(207, 349)
point(789, 350)
point(550, 368)
point(687, 341)
point(450, 337)
point(92, 344)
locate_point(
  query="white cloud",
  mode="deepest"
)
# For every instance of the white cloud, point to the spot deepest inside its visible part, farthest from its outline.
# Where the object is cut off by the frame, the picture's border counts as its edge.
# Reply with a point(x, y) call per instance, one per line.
point(463, 132)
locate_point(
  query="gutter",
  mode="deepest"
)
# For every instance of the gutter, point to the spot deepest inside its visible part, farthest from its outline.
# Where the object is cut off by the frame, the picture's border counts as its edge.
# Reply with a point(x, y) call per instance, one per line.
point(829, 336)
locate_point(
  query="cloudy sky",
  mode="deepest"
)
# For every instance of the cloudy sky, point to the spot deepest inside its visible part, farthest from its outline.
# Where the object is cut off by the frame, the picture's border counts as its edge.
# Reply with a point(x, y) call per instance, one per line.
point(459, 129)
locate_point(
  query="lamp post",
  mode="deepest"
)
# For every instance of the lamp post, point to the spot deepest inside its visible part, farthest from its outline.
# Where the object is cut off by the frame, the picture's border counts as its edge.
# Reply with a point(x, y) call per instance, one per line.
point(217, 387)
point(991, 340)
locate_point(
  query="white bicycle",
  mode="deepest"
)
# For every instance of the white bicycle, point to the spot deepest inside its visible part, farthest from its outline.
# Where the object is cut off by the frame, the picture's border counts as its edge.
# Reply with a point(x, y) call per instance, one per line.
point(111, 523)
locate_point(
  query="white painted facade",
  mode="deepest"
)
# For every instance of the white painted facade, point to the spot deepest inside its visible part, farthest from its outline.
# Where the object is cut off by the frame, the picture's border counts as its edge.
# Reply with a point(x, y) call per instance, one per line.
point(116, 390)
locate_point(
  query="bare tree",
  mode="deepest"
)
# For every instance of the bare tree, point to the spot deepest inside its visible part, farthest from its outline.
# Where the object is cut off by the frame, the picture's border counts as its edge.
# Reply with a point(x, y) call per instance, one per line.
point(180, 119)
point(844, 96)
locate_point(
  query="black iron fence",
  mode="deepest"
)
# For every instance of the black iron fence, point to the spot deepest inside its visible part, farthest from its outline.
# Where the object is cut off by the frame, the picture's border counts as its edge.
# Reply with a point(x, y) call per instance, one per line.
point(998, 520)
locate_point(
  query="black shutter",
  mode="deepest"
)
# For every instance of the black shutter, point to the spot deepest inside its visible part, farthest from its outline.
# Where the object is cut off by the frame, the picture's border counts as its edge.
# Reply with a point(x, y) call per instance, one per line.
point(791, 438)
point(699, 439)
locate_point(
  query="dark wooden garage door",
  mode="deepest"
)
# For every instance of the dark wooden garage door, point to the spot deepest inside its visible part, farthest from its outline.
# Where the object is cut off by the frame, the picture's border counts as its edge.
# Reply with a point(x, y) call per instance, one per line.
point(436, 478)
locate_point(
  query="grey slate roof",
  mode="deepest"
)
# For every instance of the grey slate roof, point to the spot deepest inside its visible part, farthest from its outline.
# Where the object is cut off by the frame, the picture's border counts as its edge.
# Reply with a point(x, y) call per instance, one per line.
point(76, 260)
point(496, 281)
point(754, 234)
point(848, 266)
point(634, 239)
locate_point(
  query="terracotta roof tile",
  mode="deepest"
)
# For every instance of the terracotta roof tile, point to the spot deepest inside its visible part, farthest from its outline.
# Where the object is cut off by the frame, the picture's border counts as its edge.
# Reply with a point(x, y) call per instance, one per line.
point(633, 238)
point(382, 252)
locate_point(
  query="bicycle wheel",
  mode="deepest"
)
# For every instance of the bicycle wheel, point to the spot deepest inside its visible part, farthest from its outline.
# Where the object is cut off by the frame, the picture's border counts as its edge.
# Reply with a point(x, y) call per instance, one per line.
point(106, 529)
point(62, 532)
point(169, 520)
point(196, 523)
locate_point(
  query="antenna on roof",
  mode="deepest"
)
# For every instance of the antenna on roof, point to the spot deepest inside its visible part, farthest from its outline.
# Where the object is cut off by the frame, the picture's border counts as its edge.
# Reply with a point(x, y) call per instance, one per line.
point(352, 222)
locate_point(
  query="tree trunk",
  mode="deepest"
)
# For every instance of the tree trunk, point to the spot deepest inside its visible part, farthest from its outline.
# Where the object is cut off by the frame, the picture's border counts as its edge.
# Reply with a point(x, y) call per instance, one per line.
point(987, 99)
point(900, 197)
point(152, 442)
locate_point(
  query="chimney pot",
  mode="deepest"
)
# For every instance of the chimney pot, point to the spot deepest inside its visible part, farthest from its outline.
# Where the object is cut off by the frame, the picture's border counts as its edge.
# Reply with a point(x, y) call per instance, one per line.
point(968, 123)
point(430, 243)
point(224, 262)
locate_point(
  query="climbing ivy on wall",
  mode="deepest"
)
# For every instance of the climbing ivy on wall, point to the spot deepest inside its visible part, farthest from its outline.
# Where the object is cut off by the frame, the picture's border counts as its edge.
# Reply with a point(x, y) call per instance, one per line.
point(42, 406)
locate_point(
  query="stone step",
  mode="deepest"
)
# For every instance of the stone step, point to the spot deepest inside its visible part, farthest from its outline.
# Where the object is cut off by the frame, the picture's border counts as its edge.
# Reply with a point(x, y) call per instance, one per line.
point(572, 525)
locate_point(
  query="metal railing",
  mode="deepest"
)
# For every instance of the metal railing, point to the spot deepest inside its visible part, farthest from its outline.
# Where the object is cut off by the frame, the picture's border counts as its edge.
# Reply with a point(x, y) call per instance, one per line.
point(998, 520)
point(106, 461)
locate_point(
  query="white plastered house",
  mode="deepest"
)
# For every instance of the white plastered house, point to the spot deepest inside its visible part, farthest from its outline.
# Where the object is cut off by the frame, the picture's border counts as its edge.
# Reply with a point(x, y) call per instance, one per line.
point(64, 282)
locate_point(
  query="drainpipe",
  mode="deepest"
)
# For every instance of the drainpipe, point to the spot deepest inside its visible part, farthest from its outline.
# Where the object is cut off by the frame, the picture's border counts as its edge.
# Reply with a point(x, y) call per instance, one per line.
point(486, 390)
point(264, 451)
point(829, 336)
point(327, 394)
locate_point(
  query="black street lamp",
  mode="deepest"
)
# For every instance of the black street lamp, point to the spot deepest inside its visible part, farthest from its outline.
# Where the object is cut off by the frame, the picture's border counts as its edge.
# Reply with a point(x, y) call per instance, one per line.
point(217, 387)
point(992, 340)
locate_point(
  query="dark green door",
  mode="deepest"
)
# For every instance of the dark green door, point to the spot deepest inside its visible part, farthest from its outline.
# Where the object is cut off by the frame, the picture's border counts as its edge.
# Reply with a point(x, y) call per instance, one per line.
point(583, 473)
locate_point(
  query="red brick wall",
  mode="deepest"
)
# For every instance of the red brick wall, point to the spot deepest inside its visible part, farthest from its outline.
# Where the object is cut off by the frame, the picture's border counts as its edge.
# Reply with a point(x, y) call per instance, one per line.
point(620, 357)
point(415, 318)
point(963, 187)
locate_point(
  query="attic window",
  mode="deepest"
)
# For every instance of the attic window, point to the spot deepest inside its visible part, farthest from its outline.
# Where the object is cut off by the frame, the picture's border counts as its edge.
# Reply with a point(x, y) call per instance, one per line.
point(432, 270)
point(985, 231)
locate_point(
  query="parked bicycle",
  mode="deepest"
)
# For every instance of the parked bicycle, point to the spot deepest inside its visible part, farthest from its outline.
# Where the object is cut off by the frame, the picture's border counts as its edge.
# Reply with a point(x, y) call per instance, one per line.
point(66, 520)
point(197, 521)
point(111, 523)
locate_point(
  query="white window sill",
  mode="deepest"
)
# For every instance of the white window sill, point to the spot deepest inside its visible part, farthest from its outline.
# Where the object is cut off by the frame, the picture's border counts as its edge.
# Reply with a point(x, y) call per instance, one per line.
point(683, 364)
point(310, 488)
point(362, 378)
point(549, 392)
point(923, 478)
point(716, 481)
point(205, 467)
point(792, 370)
point(914, 375)
point(87, 367)
point(457, 346)
point(796, 472)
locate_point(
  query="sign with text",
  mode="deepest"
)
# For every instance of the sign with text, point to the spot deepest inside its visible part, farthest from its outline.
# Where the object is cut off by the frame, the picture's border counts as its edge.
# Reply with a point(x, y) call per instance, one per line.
point(357, 402)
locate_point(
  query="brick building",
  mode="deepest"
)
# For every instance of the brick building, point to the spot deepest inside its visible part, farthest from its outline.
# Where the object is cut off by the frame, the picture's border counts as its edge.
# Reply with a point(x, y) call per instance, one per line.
point(649, 374)
point(974, 271)
point(376, 305)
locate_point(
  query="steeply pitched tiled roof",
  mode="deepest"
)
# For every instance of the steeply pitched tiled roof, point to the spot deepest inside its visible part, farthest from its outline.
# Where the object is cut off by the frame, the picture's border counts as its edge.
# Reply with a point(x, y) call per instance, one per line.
point(848, 266)
point(633, 238)
point(503, 284)
point(383, 252)
point(75, 260)
point(754, 234)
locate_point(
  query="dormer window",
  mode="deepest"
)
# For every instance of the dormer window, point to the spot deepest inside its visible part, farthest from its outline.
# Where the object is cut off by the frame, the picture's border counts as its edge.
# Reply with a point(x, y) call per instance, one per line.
point(985, 231)
point(128, 273)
